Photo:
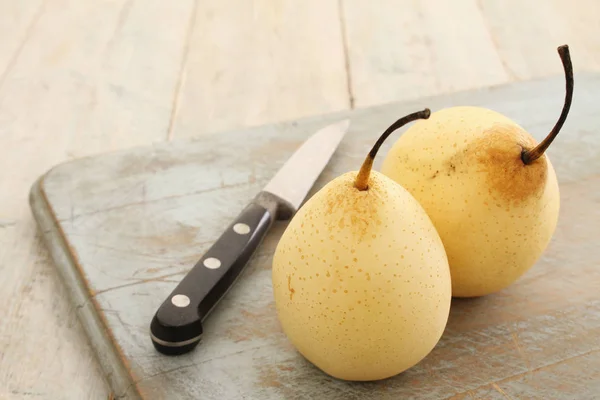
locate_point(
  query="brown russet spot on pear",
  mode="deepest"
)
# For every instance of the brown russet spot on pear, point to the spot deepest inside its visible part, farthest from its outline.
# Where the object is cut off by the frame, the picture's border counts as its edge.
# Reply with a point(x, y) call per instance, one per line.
point(360, 211)
point(290, 288)
point(356, 320)
point(498, 152)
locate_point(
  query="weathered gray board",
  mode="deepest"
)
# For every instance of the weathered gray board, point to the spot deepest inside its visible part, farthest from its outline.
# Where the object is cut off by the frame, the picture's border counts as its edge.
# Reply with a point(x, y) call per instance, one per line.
point(123, 229)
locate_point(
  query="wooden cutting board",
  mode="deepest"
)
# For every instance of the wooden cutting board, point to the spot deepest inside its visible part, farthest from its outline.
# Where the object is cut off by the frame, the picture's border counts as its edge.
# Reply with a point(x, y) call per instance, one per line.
point(123, 229)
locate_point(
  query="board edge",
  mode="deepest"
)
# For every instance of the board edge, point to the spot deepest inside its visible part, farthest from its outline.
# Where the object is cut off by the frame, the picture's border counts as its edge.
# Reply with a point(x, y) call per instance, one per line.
point(104, 347)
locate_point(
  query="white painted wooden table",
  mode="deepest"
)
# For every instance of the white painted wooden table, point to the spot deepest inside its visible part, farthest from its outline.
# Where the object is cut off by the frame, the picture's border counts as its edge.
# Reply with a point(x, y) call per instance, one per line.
point(81, 77)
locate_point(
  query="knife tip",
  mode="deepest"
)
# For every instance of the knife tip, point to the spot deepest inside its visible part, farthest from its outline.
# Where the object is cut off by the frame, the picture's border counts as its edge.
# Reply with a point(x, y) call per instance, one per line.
point(344, 124)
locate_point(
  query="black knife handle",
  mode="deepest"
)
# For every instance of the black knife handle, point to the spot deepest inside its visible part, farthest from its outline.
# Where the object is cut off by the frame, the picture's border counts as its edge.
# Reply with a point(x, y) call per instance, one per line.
point(177, 325)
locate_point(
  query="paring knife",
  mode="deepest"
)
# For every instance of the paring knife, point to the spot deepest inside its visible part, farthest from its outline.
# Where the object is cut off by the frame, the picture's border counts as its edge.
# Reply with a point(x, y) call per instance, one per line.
point(177, 325)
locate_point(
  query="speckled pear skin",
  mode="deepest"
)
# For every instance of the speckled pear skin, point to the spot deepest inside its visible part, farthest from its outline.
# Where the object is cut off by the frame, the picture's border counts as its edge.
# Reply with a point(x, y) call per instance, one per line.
point(361, 280)
point(495, 214)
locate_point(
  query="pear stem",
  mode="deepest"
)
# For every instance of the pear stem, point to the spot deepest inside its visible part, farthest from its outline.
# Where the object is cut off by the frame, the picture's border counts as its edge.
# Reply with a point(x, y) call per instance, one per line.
point(529, 156)
point(362, 179)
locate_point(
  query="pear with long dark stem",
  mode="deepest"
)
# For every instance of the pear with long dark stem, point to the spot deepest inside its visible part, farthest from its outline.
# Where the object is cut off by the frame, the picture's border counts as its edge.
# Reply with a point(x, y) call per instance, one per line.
point(360, 276)
point(488, 186)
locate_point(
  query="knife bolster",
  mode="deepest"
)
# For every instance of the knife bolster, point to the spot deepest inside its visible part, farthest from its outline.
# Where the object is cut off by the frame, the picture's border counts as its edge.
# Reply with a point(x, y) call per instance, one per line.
point(277, 207)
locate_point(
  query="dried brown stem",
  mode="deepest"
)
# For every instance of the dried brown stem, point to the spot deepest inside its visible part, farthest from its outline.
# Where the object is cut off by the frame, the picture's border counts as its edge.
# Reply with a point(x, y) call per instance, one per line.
point(529, 156)
point(362, 179)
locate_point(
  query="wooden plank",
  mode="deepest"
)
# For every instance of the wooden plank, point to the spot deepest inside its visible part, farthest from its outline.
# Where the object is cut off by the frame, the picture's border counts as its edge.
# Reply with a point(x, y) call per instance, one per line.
point(124, 255)
point(526, 34)
point(405, 49)
point(258, 62)
point(82, 78)
point(17, 19)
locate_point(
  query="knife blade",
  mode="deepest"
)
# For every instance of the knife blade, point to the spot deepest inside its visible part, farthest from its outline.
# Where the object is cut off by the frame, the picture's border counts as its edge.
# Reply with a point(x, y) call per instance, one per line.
point(176, 327)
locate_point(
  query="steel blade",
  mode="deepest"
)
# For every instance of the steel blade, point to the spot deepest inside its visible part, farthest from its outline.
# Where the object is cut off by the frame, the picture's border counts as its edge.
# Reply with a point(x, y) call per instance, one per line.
point(297, 176)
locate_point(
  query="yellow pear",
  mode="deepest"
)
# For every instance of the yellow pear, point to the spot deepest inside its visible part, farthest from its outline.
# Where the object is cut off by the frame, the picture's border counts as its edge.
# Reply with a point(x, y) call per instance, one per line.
point(360, 277)
point(488, 187)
